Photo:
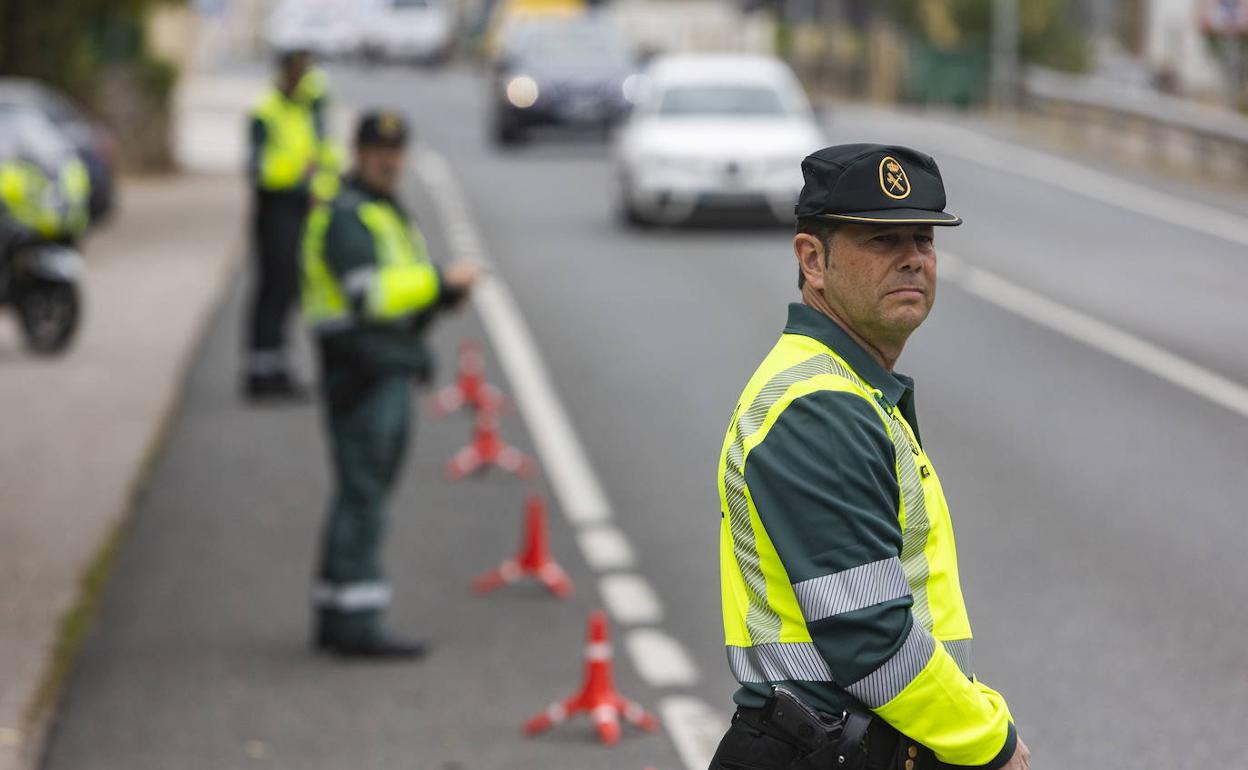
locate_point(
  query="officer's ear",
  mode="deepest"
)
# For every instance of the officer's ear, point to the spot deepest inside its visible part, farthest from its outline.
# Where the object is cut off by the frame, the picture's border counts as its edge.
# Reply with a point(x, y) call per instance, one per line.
point(811, 259)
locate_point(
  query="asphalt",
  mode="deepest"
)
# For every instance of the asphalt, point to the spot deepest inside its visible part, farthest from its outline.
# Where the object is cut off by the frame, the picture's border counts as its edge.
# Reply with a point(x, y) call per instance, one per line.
point(1097, 506)
point(80, 428)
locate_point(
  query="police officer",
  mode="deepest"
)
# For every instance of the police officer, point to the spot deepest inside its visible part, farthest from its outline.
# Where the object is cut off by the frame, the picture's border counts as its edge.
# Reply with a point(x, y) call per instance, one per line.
point(369, 291)
point(844, 620)
point(288, 153)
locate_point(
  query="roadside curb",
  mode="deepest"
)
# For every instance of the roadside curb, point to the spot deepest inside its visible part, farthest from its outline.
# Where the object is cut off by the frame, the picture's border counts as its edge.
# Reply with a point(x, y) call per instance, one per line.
point(38, 719)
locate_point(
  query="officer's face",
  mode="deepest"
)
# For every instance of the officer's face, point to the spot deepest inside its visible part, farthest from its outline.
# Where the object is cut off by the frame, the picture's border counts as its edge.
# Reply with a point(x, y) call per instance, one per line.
point(881, 280)
point(293, 71)
point(381, 168)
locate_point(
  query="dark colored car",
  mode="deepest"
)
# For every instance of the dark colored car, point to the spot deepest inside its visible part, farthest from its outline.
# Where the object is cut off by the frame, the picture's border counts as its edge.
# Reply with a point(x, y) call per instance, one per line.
point(94, 143)
point(562, 72)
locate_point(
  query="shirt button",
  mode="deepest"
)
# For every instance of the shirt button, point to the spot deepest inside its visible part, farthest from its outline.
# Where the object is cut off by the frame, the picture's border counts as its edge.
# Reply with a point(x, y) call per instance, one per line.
point(909, 764)
point(913, 751)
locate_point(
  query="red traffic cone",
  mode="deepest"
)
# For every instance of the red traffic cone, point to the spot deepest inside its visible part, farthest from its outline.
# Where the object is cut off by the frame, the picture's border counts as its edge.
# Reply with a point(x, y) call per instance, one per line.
point(533, 559)
point(470, 388)
point(487, 448)
point(598, 696)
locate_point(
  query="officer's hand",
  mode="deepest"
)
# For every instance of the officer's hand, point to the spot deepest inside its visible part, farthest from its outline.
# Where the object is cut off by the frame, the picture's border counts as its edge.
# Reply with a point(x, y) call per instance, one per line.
point(459, 276)
point(1021, 759)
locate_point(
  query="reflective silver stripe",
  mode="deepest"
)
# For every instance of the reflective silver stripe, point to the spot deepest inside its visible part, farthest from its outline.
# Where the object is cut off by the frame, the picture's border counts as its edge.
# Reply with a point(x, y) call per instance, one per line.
point(887, 681)
point(918, 527)
point(334, 324)
point(960, 651)
point(352, 597)
point(852, 589)
point(261, 362)
point(761, 619)
point(778, 662)
point(359, 281)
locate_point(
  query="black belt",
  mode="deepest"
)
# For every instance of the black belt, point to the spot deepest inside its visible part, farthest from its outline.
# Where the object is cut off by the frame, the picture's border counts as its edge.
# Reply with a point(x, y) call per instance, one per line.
point(882, 746)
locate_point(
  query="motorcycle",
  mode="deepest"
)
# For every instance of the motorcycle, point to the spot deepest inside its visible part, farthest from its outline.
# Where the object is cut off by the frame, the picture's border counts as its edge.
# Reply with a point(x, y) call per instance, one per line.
point(40, 281)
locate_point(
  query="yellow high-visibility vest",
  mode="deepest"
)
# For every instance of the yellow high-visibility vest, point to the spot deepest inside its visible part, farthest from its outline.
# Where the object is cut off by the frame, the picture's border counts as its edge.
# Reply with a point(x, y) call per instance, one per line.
point(291, 147)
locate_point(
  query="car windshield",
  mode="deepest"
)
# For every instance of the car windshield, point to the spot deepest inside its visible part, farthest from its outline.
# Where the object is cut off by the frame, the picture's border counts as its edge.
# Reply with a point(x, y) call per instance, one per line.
point(570, 43)
point(726, 99)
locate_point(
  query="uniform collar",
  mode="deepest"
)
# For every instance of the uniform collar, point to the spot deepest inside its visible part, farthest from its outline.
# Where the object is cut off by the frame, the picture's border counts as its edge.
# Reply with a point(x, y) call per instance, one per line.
point(353, 179)
point(808, 322)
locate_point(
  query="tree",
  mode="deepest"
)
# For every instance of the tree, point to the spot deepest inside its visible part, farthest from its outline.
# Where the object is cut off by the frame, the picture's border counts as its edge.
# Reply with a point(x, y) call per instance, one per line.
point(67, 42)
point(1048, 37)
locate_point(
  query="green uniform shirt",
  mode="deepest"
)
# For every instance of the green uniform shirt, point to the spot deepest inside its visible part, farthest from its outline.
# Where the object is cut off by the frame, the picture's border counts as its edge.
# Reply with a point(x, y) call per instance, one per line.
point(369, 288)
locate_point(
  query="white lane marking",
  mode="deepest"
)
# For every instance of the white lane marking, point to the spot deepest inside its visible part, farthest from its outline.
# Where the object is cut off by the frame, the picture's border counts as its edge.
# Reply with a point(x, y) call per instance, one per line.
point(1096, 334)
point(563, 456)
point(629, 599)
point(1073, 177)
point(660, 659)
point(695, 729)
point(605, 548)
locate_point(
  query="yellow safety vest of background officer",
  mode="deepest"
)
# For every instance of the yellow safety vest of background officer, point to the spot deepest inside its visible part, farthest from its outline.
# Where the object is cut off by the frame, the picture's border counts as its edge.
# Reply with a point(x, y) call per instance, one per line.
point(369, 292)
point(843, 614)
point(292, 163)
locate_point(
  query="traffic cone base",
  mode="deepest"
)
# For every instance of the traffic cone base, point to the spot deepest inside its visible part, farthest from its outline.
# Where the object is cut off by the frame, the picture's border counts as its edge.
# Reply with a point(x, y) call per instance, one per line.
point(487, 449)
point(533, 560)
point(598, 698)
point(470, 388)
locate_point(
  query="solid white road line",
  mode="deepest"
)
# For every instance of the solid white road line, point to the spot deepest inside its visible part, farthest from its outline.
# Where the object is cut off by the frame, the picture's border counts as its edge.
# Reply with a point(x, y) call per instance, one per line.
point(695, 729)
point(629, 599)
point(692, 724)
point(605, 548)
point(563, 457)
point(1076, 178)
point(660, 659)
point(1096, 334)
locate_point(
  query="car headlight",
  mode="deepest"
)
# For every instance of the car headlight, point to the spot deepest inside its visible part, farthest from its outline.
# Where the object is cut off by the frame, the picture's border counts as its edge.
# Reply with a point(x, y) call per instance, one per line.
point(522, 91)
point(634, 88)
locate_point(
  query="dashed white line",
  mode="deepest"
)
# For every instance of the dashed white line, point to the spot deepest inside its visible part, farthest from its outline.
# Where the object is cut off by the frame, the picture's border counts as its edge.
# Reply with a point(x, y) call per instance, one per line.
point(605, 548)
point(1096, 334)
point(695, 727)
point(660, 659)
point(629, 599)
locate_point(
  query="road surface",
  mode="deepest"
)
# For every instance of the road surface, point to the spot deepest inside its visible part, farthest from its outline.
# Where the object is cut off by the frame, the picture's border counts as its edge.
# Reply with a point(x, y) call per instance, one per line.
point(1081, 385)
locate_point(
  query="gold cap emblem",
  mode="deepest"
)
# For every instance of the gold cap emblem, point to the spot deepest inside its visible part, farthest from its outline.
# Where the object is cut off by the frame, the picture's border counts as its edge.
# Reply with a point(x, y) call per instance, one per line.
point(893, 179)
point(389, 125)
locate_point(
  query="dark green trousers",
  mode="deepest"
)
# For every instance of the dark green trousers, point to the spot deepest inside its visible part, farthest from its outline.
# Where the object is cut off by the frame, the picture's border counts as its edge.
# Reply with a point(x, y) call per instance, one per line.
point(367, 423)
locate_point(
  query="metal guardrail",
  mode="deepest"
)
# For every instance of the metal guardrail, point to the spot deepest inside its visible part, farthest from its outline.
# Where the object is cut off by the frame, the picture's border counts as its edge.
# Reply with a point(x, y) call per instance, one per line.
point(1160, 116)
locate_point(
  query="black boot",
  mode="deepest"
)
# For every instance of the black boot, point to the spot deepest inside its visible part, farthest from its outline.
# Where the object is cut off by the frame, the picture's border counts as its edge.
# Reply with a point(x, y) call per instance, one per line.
point(278, 386)
point(361, 635)
point(380, 645)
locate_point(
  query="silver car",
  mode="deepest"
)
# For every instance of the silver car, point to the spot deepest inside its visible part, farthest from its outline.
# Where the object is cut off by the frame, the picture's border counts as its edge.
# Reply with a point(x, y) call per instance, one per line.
point(723, 134)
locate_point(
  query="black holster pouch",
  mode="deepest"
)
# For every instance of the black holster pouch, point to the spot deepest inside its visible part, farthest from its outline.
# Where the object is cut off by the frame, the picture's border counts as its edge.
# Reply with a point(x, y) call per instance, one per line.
point(823, 742)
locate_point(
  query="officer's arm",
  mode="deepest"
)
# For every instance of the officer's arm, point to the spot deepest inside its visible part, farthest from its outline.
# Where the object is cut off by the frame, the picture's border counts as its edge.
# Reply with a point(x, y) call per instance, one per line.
point(824, 485)
point(318, 117)
point(255, 156)
point(376, 292)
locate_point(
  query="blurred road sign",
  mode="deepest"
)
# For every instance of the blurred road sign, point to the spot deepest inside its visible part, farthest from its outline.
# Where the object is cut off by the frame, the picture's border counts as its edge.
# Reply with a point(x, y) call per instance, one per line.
point(1224, 17)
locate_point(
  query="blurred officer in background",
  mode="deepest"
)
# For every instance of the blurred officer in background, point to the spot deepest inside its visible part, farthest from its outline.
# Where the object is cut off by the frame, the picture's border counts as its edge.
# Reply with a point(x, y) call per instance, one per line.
point(843, 614)
point(44, 185)
point(292, 162)
point(369, 292)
